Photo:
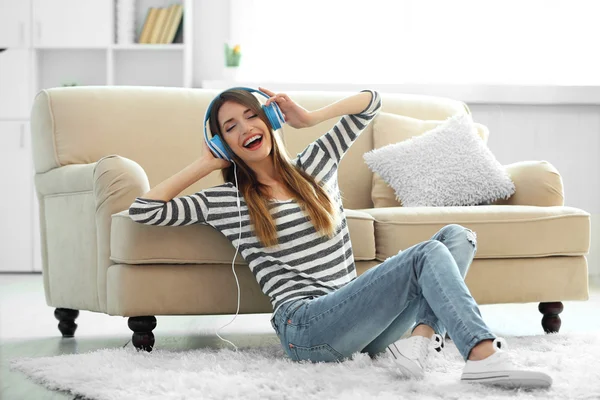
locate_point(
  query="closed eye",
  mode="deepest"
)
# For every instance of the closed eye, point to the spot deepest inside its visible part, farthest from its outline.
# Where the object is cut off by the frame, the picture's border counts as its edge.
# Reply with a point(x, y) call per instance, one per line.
point(233, 126)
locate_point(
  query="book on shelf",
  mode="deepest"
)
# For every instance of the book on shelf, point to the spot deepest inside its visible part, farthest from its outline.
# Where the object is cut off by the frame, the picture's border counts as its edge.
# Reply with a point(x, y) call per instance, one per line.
point(179, 32)
point(163, 25)
point(160, 30)
point(158, 27)
point(175, 20)
point(148, 25)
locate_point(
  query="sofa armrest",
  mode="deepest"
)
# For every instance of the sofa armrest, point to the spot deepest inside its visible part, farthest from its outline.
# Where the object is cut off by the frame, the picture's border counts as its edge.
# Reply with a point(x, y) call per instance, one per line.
point(76, 204)
point(117, 182)
point(537, 183)
point(63, 194)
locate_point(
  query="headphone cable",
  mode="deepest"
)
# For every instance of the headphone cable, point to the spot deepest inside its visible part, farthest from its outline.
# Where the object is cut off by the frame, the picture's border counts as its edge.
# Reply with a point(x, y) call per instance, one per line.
point(236, 252)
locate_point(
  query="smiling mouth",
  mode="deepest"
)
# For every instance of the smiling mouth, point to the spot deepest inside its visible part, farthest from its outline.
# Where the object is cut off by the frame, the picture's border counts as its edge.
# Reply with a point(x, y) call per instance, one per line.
point(255, 144)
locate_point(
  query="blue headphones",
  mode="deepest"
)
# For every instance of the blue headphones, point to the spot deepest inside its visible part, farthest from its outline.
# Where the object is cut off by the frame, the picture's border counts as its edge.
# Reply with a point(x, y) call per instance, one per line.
point(272, 111)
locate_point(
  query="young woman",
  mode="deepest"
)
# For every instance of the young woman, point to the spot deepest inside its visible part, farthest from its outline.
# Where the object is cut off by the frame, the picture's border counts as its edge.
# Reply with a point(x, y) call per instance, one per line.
point(295, 239)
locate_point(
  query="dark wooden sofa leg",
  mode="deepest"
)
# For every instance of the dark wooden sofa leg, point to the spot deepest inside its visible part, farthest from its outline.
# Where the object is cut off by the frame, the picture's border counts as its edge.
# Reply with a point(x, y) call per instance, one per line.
point(551, 321)
point(66, 321)
point(142, 338)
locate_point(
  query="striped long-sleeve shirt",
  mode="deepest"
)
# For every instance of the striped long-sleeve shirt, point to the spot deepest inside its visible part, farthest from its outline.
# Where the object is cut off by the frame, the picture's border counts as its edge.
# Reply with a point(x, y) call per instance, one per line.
point(304, 263)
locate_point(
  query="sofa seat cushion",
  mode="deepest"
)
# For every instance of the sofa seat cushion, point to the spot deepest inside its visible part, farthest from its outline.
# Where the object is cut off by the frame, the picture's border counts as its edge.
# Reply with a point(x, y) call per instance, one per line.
point(502, 231)
point(135, 243)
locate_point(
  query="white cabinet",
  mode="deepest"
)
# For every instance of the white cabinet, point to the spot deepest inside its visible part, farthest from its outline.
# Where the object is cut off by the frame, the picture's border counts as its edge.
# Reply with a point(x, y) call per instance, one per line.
point(15, 23)
point(72, 23)
point(15, 84)
point(16, 201)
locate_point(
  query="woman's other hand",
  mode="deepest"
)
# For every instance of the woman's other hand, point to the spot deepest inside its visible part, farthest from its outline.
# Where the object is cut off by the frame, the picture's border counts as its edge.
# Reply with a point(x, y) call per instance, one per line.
point(294, 115)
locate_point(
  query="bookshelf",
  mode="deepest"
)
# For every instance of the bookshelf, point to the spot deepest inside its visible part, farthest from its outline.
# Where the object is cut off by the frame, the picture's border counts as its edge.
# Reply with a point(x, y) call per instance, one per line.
point(97, 59)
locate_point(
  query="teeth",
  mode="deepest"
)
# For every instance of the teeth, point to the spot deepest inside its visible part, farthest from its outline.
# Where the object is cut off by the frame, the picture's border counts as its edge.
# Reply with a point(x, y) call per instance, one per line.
point(251, 139)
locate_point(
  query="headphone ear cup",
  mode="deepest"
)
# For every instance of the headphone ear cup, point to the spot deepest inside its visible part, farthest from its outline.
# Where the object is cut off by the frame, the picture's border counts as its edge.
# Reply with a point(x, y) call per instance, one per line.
point(218, 149)
point(274, 115)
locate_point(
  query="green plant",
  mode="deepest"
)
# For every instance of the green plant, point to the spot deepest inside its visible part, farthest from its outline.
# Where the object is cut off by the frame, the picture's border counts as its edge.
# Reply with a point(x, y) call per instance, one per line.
point(232, 55)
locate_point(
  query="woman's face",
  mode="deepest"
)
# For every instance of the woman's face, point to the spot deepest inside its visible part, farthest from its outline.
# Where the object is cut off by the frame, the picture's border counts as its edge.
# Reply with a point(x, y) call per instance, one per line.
point(239, 124)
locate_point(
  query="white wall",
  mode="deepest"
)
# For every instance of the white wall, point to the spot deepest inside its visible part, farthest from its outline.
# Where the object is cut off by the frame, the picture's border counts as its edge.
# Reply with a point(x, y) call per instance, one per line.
point(211, 31)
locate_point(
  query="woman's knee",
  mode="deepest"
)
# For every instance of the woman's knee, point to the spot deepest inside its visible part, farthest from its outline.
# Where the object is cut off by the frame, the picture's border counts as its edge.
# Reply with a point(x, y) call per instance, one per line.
point(452, 230)
point(429, 255)
point(433, 247)
point(455, 231)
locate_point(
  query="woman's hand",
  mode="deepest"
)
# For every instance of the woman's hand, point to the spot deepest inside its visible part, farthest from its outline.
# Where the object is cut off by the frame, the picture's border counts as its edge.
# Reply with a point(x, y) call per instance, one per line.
point(294, 115)
point(209, 158)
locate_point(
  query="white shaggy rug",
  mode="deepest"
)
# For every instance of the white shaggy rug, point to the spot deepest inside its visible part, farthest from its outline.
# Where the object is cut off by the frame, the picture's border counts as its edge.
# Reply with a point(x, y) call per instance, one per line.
point(573, 361)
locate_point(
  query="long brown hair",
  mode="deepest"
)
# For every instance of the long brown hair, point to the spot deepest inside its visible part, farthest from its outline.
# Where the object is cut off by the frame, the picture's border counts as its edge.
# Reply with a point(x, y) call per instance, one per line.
point(309, 195)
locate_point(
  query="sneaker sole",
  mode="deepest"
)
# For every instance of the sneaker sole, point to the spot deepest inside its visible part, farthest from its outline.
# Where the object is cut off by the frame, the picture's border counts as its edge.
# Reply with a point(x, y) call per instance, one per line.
point(408, 367)
point(408, 372)
point(510, 379)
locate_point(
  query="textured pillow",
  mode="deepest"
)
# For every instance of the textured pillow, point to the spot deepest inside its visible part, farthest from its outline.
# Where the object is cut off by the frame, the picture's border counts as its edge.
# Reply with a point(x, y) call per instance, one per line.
point(449, 165)
point(393, 128)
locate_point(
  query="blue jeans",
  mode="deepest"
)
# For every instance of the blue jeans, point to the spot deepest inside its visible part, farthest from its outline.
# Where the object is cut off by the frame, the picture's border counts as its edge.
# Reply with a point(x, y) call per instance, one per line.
point(423, 284)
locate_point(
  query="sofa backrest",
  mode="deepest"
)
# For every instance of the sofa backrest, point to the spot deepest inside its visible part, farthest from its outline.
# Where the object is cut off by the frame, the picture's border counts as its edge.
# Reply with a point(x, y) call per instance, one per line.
point(161, 129)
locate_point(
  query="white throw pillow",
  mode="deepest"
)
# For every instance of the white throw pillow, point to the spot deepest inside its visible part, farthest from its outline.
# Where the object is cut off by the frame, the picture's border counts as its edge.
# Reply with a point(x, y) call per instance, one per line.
point(448, 166)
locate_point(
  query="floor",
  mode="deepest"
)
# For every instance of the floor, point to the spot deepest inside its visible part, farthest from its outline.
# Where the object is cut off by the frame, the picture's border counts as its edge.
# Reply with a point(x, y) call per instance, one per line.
point(28, 329)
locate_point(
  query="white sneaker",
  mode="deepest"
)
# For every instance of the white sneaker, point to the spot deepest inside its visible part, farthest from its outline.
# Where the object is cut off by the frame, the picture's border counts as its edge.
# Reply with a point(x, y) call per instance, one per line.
point(411, 353)
point(500, 370)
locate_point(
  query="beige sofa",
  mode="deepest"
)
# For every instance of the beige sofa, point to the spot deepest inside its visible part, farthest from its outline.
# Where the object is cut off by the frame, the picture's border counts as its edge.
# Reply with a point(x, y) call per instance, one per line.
point(96, 148)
